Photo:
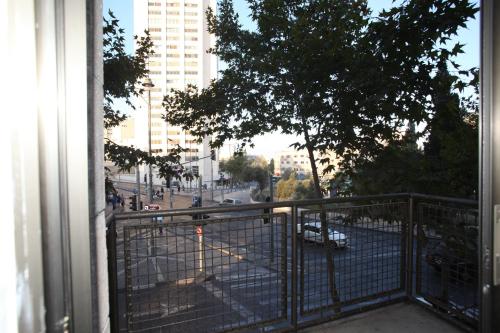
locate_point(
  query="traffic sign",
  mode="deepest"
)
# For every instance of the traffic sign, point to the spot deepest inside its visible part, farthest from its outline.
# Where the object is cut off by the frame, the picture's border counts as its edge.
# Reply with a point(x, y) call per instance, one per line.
point(199, 230)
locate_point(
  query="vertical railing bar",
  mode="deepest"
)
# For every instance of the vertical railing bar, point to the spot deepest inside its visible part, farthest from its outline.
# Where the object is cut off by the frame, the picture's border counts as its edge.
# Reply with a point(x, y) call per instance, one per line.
point(284, 263)
point(302, 266)
point(418, 287)
point(409, 250)
point(113, 276)
point(294, 267)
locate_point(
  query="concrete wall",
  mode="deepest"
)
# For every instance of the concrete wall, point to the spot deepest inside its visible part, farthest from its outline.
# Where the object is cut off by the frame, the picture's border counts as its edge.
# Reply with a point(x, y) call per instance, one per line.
point(97, 205)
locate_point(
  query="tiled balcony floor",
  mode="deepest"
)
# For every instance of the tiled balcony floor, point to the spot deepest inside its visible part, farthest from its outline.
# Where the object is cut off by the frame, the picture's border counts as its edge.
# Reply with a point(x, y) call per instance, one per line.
point(402, 317)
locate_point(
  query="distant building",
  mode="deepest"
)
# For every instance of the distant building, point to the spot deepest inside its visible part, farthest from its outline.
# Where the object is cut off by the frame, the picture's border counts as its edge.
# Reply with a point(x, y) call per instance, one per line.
point(298, 161)
point(179, 33)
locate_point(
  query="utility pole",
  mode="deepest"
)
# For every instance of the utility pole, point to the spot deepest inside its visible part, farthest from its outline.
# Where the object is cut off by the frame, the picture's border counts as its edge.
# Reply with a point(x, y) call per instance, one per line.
point(271, 197)
point(200, 189)
point(138, 181)
point(171, 197)
point(148, 84)
point(212, 175)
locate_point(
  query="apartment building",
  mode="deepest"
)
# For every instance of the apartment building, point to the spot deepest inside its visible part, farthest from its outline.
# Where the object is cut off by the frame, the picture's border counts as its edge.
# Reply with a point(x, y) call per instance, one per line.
point(178, 29)
point(298, 161)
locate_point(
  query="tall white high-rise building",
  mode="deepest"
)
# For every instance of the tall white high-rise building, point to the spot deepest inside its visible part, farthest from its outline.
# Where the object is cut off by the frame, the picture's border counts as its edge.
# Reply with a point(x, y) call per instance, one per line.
point(178, 29)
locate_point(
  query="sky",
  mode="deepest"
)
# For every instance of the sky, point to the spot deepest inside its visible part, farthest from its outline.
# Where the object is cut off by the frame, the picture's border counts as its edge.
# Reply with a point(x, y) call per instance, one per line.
point(123, 10)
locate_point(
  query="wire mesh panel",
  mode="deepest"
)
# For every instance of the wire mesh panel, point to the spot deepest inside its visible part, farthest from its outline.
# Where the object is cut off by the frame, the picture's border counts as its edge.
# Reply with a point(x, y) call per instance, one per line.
point(447, 259)
point(206, 276)
point(368, 251)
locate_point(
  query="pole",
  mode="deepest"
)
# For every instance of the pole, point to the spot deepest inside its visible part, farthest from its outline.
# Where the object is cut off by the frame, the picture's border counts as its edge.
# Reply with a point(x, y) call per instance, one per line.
point(150, 190)
point(271, 196)
point(200, 193)
point(212, 179)
point(171, 198)
point(138, 181)
point(199, 231)
point(222, 190)
point(271, 188)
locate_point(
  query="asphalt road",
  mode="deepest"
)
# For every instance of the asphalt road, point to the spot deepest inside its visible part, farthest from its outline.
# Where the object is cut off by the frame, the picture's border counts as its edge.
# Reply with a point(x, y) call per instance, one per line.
point(238, 273)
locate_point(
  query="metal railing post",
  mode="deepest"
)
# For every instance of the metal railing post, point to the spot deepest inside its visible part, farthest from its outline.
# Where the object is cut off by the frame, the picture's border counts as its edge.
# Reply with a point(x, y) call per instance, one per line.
point(294, 267)
point(113, 275)
point(409, 249)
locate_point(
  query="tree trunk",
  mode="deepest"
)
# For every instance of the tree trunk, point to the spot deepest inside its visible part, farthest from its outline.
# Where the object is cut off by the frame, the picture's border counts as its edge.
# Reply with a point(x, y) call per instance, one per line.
point(324, 226)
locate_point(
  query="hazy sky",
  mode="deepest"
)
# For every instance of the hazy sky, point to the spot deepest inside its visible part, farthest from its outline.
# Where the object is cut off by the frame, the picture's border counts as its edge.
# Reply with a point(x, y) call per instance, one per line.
point(269, 144)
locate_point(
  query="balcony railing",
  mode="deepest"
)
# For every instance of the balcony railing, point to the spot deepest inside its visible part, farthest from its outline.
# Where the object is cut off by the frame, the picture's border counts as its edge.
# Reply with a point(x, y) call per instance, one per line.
point(288, 265)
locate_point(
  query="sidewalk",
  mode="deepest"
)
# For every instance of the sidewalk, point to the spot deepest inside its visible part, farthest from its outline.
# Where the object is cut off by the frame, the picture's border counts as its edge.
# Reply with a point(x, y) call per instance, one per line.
point(180, 199)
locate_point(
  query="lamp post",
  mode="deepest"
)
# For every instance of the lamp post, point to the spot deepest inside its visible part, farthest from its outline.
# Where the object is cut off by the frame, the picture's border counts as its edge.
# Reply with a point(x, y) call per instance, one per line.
point(148, 84)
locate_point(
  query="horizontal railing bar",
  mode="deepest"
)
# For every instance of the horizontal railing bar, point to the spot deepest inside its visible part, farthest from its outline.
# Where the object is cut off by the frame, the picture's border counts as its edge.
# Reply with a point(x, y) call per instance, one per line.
point(239, 208)
point(468, 202)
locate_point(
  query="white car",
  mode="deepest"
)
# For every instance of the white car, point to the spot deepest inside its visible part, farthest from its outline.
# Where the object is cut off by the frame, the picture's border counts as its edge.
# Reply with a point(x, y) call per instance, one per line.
point(312, 232)
point(230, 202)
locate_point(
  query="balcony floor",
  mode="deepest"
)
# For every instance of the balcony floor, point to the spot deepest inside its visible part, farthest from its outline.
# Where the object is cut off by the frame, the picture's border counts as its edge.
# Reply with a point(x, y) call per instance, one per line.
point(401, 317)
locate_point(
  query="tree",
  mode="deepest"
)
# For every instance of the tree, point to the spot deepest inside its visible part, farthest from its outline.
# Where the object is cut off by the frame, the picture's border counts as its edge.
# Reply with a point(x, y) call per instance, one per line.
point(320, 70)
point(244, 169)
point(396, 169)
point(123, 77)
point(287, 173)
point(271, 166)
point(285, 188)
point(292, 188)
point(451, 152)
point(448, 164)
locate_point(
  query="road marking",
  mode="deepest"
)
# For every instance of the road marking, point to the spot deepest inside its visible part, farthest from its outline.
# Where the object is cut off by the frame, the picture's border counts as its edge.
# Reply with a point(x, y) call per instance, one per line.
point(143, 286)
point(242, 310)
point(120, 272)
point(229, 253)
point(164, 310)
point(159, 274)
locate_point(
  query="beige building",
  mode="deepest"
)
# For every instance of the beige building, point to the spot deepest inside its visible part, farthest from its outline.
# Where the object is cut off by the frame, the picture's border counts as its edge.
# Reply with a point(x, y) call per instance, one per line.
point(178, 30)
point(298, 161)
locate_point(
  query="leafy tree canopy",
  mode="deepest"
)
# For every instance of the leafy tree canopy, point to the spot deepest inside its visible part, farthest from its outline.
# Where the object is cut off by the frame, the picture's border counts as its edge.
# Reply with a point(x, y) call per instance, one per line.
point(322, 71)
point(245, 169)
point(448, 162)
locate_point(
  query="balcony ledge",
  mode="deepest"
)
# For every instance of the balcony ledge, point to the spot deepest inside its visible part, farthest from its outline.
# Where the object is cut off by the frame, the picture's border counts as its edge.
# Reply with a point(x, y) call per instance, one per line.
point(402, 317)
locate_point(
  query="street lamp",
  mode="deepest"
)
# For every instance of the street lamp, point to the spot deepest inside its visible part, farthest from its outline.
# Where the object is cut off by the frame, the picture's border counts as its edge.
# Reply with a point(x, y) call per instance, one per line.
point(148, 84)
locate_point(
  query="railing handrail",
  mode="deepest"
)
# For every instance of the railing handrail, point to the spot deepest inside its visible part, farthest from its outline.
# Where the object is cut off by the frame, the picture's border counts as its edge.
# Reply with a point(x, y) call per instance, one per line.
point(284, 204)
point(432, 197)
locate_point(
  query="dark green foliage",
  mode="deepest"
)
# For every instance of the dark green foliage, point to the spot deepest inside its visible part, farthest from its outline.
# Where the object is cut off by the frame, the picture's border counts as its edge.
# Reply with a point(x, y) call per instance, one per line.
point(244, 169)
point(448, 164)
point(396, 169)
point(324, 72)
point(451, 152)
point(271, 166)
point(123, 72)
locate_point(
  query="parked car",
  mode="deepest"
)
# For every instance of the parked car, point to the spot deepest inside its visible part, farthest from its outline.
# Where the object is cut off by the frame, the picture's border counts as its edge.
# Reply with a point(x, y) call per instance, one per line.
point(458, 255)
point(230, 202)
point(312, 232)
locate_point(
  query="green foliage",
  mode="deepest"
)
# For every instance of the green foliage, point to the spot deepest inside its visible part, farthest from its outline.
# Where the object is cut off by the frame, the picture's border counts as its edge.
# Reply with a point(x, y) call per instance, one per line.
point(292, 188)
point(286, 173)
point(244, 169)
point(396, 169)
point(451, 152)
point(123, 73)
point(448, 164)
point(258, 195)
point(286, 188)
point(271, 166)
point(304, 190)
point(323, 71)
